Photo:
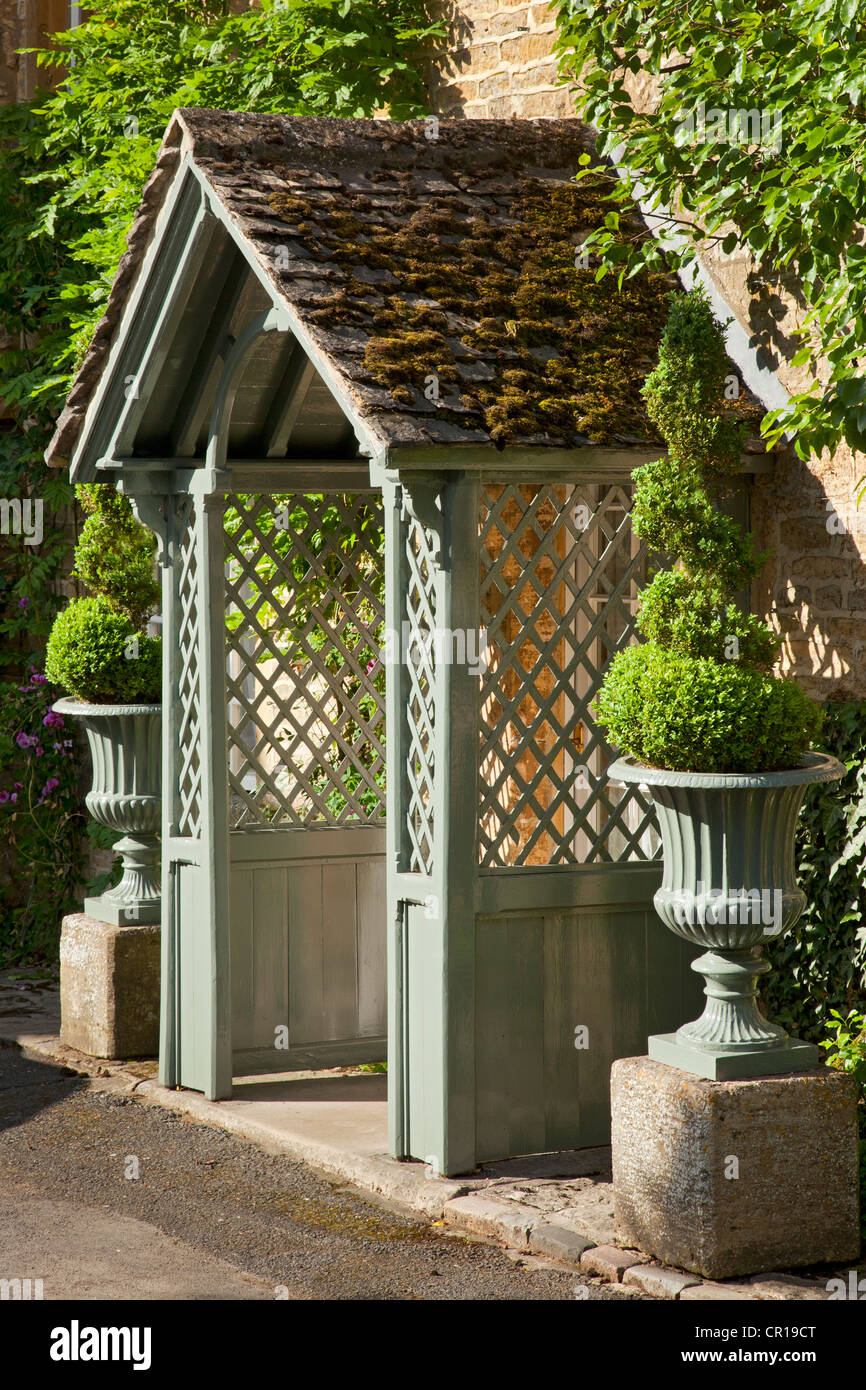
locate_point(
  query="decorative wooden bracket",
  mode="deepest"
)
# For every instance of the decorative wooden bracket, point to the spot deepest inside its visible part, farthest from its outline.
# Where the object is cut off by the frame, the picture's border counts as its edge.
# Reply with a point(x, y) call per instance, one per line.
point(422, 503)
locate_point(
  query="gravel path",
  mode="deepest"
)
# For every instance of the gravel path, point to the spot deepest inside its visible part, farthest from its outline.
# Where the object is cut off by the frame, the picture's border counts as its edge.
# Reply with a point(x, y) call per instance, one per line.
point(209, 1216)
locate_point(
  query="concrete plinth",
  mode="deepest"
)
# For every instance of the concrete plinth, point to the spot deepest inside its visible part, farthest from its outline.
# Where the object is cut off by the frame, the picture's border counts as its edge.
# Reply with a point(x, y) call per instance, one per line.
point(109, 987)
point(735, 1177)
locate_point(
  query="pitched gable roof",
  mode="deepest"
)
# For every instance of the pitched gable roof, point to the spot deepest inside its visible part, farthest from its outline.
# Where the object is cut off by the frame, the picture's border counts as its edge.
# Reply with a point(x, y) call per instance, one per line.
point(435, 265)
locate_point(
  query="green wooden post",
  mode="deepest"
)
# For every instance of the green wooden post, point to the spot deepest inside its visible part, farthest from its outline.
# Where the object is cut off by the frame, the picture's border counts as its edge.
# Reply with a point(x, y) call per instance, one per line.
point(168, 1067)
point(196, 1019)
point(395, 821)
point(214, 1000)
point(431, 905)
point(457, 815)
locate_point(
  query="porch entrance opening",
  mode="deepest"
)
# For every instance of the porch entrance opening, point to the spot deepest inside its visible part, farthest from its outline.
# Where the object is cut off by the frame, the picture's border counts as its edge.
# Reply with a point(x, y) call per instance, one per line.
point(305, 762)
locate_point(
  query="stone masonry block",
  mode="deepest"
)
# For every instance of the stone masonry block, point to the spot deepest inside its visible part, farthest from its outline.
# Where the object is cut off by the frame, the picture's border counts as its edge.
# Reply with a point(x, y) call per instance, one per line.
point(507, 1221)
point(609, 1262)
point(728, 1178)
point(558, 1242)
point(657, 1281)
point(109, 987)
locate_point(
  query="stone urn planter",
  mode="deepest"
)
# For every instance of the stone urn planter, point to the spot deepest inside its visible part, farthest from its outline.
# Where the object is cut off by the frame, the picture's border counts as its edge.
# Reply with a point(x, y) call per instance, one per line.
point(125, 750)
point(729, 885)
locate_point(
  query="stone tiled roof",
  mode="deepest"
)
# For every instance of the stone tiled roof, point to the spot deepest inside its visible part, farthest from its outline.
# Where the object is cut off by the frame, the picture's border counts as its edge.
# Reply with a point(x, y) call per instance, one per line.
point(437, 265)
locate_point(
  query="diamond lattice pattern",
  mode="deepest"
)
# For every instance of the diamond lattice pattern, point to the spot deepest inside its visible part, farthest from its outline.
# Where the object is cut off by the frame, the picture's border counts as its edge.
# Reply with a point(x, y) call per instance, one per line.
point(560, 571)
point(419, 694)
point(188, 790)
point(305, 680)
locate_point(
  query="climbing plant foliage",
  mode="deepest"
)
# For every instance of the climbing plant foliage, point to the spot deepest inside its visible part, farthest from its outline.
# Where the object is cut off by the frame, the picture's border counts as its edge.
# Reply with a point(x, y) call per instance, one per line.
point(821, 966)
point(698, 694)
point(743, 124)
point(74, 162)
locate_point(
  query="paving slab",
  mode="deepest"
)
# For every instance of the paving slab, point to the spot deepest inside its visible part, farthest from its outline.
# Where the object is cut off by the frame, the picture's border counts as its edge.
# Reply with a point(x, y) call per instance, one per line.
point(589, 1212)
point(791, 1287)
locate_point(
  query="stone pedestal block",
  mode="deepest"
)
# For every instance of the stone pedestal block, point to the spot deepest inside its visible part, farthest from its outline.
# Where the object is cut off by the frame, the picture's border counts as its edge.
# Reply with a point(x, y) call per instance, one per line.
point(109, 987)
point(735, 1177)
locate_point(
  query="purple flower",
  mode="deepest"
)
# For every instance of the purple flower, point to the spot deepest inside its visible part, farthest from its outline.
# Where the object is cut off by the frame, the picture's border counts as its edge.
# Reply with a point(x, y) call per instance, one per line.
point(53, 720)
point(16, 786)
point(38, 679)
point(39, 749)
point(14, 796)
point(25, 740)
point(4, 795)
point(23, 602)
point(49, 787)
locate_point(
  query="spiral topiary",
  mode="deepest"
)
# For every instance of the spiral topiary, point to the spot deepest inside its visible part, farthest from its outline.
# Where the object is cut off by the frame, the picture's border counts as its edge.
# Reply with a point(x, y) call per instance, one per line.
point(114, 554)
point(698, 694)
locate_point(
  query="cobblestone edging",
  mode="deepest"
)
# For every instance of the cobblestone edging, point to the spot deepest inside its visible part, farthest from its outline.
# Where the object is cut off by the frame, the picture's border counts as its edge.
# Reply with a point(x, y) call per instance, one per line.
point(521, 1228)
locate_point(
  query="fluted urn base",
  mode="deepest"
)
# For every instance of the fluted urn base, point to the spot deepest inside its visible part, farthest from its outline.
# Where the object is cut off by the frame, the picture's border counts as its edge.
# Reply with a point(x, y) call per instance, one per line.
point(137, 899)
point(125, 795)
point(730, 886)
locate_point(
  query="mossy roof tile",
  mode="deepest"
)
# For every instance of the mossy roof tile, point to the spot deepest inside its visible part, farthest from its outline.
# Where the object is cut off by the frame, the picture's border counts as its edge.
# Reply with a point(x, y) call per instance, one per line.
point(429, 259)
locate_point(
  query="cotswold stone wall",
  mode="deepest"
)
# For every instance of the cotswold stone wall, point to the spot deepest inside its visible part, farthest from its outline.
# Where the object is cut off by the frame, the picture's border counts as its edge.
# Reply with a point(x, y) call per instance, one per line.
point(813, 587)
point(500, 63)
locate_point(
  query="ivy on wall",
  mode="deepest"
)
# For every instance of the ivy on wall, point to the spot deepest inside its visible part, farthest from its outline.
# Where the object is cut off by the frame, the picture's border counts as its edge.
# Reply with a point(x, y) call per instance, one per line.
point(754, 139)
point(820, 965)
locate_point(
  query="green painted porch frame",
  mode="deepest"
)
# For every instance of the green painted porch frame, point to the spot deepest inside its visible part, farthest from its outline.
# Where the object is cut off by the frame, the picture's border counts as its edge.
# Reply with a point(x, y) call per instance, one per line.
point(490, 970)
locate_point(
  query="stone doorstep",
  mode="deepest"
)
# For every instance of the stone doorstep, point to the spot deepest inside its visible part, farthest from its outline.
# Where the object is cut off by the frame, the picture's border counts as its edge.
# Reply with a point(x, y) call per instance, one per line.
point(484, 1214)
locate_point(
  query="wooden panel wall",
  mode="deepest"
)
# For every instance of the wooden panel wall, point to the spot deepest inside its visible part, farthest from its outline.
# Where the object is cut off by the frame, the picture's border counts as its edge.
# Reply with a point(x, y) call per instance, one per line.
point(618, 973)
point(308, 938)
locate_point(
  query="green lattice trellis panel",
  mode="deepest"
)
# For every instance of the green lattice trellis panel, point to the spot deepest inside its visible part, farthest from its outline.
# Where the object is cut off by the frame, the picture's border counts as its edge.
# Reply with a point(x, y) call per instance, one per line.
point(560, 570)
point(188, 808)
point(304, 677)
point(419, 704)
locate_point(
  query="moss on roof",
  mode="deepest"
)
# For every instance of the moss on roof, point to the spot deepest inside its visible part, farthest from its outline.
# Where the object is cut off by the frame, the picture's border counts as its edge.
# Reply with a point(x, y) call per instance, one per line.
point(566, 355)
point(440, 276)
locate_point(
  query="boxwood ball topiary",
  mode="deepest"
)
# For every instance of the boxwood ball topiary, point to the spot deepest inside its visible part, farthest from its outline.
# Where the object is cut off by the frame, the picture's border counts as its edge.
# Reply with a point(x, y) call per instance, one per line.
point(98, 655)
point(699, 694)
point(694, 714)
point(98, 650)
